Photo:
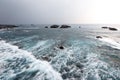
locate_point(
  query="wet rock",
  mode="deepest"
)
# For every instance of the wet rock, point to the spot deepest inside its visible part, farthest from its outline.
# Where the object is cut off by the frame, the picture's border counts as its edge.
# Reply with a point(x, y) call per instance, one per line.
point(98, 37)
point(110, 28)
point(61, 47)
point(45, 58)
point(65, 26)
point(54, 26)
point(46, 26)
point(105, 27)
point(7, 26)
point(113, 29)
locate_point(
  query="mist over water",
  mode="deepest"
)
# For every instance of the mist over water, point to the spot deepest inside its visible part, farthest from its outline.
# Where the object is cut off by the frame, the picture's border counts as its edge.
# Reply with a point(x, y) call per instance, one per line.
point(31, 52)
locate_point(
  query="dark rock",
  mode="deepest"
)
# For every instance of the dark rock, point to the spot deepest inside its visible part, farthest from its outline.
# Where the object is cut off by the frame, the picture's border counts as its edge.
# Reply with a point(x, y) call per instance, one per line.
point(65, 26)
point(46, 26)
point(61, 47)
point(7, 26)
point(98, 37)
point(45, 58)
point(113, 29)
point(110, 28)
point(105, 27)
point(54, 26)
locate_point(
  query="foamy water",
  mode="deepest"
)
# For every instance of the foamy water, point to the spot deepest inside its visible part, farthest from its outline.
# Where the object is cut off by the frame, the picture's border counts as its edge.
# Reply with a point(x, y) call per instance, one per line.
point(17, 64)
point(34, 54)
point(113, 43)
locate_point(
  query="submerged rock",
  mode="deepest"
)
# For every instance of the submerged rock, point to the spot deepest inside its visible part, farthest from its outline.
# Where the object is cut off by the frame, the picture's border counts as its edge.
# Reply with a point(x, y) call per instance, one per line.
point(65, 26)
point(54, 26)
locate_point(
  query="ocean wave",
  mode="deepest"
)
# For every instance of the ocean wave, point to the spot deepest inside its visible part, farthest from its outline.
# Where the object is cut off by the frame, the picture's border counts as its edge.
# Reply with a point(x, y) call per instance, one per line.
point(113, 43)
point(17, 64)
point(79, 60)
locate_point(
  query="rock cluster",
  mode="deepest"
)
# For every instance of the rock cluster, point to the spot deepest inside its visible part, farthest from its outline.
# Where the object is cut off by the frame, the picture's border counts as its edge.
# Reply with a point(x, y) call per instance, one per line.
point(113, 29)
point(54, 26)
point(110, 28)
point(57, 26)
point(65, 26)
point(7, 26)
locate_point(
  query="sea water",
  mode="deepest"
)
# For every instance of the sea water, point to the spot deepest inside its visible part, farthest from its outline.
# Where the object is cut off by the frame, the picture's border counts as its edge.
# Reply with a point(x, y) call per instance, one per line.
point(31, 52)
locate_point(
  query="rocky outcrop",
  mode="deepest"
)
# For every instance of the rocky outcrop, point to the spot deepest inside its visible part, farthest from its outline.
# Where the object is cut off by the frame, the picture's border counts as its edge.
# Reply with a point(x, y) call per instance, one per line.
point(105, 27)
point(7, 26)
point(46, 58)
point(98, 37)
point(61, 47)
point(110, 28)
point(54, 26)
point(65, 26)
point(62, 26)
point(113, 29)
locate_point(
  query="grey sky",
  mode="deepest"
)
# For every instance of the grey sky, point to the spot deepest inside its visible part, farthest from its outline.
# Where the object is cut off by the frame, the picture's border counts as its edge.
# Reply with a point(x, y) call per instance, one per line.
point(59, 11)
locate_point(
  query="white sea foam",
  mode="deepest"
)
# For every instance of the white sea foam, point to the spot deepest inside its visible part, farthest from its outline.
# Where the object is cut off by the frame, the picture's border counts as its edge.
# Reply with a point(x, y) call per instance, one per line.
point(16, 63)
point(113, 43)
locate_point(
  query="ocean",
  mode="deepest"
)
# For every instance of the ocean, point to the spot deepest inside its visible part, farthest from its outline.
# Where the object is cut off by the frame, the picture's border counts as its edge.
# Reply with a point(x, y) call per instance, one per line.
point(33, 52)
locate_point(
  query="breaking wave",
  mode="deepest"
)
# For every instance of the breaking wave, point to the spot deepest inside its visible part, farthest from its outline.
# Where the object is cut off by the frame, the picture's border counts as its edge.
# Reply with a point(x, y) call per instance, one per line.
point(17, 64)
point(113, 43)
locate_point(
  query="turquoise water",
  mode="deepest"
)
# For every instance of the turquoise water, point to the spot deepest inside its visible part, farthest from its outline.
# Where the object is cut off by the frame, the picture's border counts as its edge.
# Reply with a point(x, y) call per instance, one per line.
point(32, 53)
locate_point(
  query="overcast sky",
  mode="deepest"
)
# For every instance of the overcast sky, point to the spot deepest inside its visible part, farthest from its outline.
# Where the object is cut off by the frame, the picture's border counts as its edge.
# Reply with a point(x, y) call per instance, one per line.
point(59, 11)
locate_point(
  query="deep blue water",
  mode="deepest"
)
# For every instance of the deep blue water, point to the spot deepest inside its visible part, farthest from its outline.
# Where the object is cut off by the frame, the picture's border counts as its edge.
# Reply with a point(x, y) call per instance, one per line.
point(31, 52)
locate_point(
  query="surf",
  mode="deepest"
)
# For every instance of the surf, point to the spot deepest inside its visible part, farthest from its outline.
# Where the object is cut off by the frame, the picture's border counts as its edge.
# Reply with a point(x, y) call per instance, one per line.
point(17, 64)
